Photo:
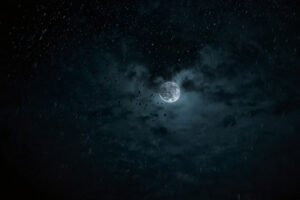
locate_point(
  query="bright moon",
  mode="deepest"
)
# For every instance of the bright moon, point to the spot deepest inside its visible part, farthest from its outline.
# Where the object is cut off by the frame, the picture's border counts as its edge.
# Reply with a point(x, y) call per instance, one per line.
point(169, 92)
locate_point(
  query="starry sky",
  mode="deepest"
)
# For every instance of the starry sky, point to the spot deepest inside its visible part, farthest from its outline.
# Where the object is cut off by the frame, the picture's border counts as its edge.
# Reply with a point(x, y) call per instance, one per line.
point(81, 118)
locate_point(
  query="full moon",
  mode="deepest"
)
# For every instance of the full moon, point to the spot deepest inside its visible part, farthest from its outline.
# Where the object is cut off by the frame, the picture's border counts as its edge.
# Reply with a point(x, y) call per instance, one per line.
point(169, 92)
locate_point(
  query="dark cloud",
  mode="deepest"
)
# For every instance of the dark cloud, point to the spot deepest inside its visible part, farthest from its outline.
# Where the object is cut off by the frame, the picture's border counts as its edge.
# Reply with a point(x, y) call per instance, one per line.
point(160, 130)
point(284, 107)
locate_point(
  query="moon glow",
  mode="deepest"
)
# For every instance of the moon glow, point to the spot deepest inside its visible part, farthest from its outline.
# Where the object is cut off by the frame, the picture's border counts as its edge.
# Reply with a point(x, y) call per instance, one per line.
point(169, 92)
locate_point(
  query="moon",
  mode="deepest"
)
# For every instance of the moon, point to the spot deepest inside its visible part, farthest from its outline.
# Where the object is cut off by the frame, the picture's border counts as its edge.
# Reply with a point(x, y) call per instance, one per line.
point(169, 92)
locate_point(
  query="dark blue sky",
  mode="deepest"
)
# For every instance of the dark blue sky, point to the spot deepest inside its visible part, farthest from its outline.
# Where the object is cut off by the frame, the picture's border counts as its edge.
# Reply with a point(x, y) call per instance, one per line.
point(81, 117)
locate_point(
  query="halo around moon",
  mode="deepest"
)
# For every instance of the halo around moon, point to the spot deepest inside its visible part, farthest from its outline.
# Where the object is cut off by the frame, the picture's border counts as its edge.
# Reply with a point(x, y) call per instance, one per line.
point(169, 92)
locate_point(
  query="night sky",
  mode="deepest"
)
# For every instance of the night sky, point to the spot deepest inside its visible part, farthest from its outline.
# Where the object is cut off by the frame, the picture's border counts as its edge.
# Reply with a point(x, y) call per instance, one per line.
point(81, 116)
